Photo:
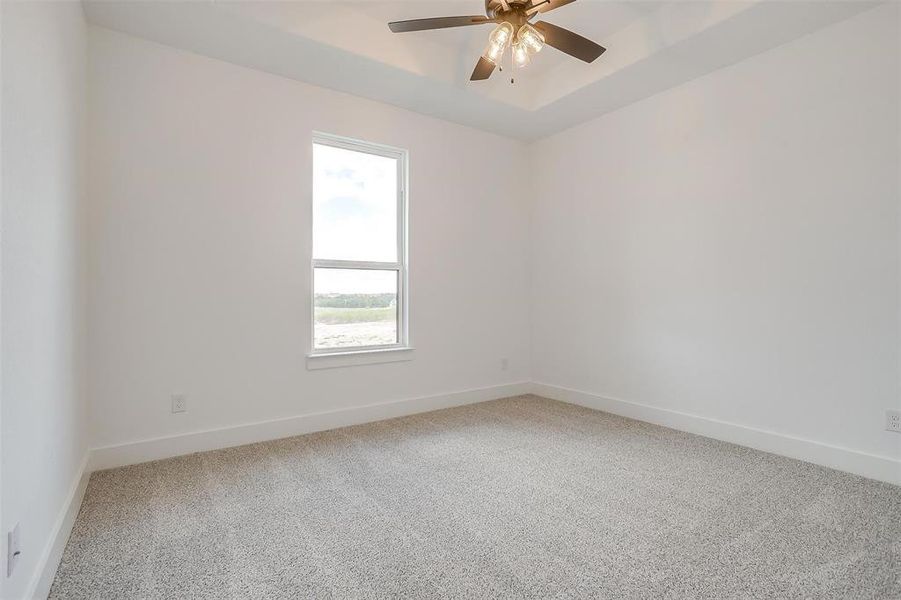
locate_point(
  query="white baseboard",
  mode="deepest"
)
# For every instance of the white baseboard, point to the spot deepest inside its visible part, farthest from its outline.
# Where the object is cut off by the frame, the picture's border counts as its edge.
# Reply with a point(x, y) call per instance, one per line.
point(39, 588)
point(873, 466)
point(212, 439)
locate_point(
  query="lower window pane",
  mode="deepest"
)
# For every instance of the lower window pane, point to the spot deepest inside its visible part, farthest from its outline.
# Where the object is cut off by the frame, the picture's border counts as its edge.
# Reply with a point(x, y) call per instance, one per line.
point(354, 307)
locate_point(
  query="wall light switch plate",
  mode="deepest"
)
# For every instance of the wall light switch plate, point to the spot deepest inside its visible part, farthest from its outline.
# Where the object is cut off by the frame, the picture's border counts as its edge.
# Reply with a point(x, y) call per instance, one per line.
point(13, 549)
point(179, 403)
point(893, 420)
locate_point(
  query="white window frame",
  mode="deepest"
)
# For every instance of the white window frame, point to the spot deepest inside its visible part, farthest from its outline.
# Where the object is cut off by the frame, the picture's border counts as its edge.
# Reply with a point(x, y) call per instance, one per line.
point(379, 353)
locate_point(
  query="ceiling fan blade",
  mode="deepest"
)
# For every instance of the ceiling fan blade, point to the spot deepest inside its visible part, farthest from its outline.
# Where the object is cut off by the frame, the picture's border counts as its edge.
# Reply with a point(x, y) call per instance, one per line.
point(543, 6)
point(436, 23)
point(484, 69)
point(573, 44)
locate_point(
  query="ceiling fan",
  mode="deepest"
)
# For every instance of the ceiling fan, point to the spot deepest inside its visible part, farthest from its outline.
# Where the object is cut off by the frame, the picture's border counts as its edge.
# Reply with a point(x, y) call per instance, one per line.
point(514, 30)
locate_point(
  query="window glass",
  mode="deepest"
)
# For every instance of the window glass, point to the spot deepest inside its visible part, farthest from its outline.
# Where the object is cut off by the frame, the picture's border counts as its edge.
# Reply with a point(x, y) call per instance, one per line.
point(355, 307)
point(354, 205)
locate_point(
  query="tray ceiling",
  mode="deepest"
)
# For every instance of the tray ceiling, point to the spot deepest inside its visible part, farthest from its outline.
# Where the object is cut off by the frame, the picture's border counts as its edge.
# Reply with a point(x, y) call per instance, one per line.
point(651, 46)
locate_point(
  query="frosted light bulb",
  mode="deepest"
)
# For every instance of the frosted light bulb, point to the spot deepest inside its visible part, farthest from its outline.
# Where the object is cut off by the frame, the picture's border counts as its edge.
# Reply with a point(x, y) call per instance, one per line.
point(531, 38)
point(521, 56)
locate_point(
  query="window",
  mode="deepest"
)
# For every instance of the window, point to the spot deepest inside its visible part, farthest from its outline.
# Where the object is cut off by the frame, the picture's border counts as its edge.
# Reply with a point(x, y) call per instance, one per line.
point(359, 246)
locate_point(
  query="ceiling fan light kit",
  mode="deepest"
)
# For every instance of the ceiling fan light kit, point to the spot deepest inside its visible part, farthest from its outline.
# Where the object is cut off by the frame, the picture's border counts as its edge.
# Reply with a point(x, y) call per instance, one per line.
point(530, 37)
point(521, 55)
point(498, 42)
point(513, 30)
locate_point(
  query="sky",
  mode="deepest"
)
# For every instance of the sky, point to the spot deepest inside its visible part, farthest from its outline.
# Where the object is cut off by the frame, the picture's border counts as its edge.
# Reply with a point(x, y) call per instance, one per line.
point(354, 218)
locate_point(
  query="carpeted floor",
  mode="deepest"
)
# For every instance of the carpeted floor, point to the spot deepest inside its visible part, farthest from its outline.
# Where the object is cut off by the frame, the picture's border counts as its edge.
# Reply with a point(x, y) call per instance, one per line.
point(516, 498)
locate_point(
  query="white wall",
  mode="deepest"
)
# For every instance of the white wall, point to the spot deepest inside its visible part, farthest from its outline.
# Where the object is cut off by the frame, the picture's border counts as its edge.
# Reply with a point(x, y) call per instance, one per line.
point(44, 432)
point(200, 183)
point(730, 248)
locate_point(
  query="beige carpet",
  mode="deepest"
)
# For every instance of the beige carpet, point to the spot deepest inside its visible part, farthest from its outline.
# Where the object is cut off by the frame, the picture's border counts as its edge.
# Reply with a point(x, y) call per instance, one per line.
point(517, 498)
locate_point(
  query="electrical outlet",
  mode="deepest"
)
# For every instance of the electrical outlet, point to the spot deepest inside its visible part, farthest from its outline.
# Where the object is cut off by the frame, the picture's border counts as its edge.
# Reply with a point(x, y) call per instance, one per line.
point(179, 403)
point(13, 549)
point(893, 420)
point(505, 364)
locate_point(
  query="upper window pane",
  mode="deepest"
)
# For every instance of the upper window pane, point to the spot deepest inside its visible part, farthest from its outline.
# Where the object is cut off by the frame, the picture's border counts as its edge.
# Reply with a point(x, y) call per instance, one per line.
point(354, 205)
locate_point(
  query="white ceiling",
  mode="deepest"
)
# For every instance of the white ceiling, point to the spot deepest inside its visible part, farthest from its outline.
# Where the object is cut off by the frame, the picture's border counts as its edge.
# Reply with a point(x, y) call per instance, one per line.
point(651, 46)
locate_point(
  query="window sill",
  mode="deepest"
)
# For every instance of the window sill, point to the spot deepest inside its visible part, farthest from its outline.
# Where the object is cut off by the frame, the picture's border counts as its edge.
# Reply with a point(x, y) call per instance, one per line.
point(351, 358)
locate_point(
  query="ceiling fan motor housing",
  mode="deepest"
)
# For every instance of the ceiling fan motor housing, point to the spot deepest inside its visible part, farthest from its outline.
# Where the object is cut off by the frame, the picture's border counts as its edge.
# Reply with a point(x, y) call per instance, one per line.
point(514, 13)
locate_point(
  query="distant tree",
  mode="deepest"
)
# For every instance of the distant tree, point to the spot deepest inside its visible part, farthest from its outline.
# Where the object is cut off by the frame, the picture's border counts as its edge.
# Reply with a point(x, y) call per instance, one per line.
point(355, 300)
